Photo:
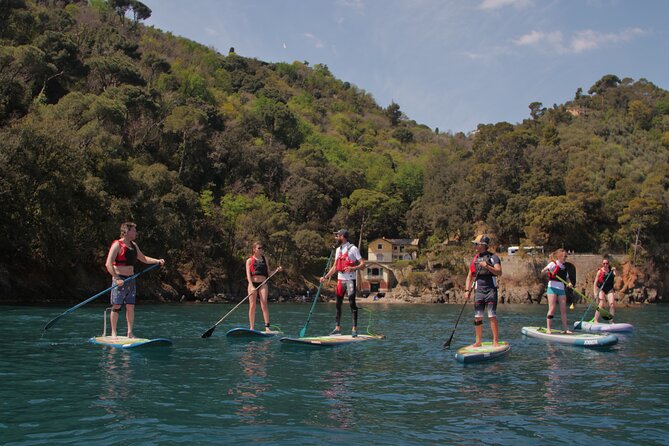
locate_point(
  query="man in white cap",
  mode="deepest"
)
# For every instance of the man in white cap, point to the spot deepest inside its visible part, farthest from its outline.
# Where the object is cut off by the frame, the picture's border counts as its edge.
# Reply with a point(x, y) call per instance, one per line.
point(347, 261)
point(485, 268)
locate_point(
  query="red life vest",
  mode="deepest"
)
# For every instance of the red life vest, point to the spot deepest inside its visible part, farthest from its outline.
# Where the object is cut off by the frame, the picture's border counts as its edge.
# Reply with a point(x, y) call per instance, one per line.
point(127, 255)
point(562, 273)
point(343, 260)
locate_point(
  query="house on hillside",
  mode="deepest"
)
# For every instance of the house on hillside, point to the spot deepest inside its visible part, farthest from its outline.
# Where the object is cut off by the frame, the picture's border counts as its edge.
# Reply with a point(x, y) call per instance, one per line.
point(381, 253)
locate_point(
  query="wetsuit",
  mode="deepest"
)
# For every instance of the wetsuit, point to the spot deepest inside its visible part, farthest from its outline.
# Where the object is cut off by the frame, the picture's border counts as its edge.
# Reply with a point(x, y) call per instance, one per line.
point(485, 297)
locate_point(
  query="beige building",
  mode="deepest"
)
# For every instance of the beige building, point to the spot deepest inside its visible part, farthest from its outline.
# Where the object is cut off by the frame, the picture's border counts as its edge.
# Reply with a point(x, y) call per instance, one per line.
point(381, 253)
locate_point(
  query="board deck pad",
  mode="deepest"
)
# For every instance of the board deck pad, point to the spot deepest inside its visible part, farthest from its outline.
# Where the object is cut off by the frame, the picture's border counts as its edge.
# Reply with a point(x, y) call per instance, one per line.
point(331, 340)
point(605, 327)
point(483, 353)
point(241, 332)
point(581, 339)
point(126, 342)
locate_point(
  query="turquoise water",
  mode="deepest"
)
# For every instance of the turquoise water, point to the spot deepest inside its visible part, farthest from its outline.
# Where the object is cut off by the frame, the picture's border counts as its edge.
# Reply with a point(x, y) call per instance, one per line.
point(59, 389)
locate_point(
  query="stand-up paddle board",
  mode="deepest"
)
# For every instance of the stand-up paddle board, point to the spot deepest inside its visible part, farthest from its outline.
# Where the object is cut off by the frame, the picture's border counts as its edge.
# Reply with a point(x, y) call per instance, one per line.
point(578, 339)
point(599, 327)
point(126, 342)
point(330, 341)
point(483, 353)
point(248, 333)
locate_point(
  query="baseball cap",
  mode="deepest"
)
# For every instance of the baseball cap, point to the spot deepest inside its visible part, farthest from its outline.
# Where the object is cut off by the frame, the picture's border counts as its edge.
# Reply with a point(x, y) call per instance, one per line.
point(343, 232)
point(481, 240)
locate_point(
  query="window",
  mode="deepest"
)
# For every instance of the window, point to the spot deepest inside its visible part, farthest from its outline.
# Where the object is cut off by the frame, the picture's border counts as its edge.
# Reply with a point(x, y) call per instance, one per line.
point(379, 246)
point(401, 248)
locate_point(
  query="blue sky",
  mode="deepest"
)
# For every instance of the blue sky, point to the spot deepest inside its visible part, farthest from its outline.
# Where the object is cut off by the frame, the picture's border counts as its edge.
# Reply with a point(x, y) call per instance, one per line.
point(450, 64)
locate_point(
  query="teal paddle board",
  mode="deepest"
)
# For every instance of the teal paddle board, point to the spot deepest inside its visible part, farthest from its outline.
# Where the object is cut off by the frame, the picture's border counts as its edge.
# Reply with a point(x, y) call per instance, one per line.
point(483, 353)
point(579, 339)
point(127, 343)
point(330, 341)
point(240, 332)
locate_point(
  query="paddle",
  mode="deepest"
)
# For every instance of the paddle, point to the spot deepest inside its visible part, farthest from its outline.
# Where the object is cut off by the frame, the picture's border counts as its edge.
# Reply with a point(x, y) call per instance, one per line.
point(66, 312)
point(447, 344)
point(604, 313)
point(209, 332)
point(303, 331)
point(579, 324)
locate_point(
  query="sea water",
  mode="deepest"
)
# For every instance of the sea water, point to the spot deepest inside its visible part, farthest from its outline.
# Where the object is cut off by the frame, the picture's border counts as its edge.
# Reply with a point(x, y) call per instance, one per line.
point(58, 389)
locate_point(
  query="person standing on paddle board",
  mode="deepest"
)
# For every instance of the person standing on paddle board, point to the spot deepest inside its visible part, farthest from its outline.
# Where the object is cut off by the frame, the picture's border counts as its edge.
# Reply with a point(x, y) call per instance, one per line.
point(485, 268)
point(347, 261)
point(257, 271)
point(603, 288)
point(121, 260)
point(556, 291)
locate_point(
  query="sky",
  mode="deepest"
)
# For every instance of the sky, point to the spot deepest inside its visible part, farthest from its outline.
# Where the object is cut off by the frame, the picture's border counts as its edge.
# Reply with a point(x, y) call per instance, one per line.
point(449, 64)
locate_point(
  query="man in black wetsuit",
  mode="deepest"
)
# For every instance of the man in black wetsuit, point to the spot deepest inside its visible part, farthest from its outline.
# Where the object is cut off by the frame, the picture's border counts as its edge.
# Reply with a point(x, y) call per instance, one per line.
point(485, 268)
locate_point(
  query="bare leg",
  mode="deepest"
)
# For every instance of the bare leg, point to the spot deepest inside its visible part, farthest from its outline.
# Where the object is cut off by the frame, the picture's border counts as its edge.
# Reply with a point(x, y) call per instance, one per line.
point(600, 303)
point(264, 306)
point(563, 313)
point(253, 296)
point(130, 318)
point(478, 327)
point(551, 311)
point(494, 327)
point(612, 305)
point(113, 319)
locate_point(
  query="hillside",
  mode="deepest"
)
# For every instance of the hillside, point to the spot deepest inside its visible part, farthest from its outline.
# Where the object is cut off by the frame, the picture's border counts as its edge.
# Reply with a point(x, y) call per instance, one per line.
point(104, 120)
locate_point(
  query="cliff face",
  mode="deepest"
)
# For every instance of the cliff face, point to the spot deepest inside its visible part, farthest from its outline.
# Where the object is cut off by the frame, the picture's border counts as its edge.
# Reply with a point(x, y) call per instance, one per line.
point(522, 282)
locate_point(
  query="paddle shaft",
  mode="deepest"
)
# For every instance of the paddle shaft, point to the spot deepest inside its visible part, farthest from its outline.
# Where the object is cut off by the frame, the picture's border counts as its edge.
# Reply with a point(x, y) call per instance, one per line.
point(447, 344)
point(303, 331)
point(602, 311)
point(209, 332)
point(81, 304)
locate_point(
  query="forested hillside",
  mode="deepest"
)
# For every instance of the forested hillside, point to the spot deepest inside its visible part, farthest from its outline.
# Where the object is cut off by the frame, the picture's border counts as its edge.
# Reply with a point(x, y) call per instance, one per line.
point(104, 120)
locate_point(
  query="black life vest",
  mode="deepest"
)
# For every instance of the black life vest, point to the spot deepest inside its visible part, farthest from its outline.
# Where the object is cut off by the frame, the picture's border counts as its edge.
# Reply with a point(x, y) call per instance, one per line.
point(259, 267)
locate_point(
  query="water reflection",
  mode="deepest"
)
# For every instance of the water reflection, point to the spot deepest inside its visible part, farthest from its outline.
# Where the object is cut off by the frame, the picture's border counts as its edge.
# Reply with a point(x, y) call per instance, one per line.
point(117, 374)
point(555, 392)
point(253, 362)
point(337, 391)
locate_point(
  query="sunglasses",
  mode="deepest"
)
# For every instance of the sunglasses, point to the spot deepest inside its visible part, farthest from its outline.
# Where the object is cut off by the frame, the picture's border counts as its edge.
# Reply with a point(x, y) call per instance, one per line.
point(605, 263)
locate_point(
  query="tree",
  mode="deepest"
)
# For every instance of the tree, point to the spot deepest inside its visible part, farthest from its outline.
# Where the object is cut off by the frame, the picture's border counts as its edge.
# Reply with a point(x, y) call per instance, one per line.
point(394, 114)
point(139, 11)
point(370, 210)
point(536, 110)
point(556, 222)
point(640, 216)
point(187, 122)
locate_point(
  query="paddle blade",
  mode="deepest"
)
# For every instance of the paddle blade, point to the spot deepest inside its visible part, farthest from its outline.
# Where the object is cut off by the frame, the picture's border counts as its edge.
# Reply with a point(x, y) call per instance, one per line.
point(447, 344)
point(303, 331)
point(209, 332)
point(52, 321)
point(578, 325)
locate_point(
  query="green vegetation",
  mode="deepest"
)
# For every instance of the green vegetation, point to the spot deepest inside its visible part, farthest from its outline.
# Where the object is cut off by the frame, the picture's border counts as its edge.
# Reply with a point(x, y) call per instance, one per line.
point(104, 120)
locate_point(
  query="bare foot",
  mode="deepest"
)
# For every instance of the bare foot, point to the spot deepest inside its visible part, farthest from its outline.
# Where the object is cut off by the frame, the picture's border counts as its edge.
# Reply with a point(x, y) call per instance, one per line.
point(567, 332)
point(131, 335)
point(476, 344)
point(495, 344)
point(548, 331)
